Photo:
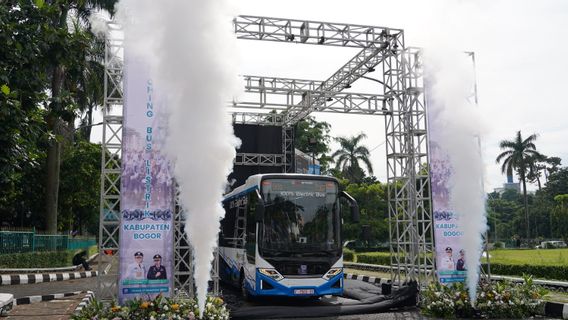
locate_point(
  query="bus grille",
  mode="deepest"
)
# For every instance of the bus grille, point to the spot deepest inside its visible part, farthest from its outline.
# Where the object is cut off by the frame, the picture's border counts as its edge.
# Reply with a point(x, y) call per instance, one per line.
point(296, 269)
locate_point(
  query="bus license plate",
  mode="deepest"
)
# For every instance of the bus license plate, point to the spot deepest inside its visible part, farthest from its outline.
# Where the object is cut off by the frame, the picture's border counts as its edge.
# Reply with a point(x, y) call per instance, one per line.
point(303, 291)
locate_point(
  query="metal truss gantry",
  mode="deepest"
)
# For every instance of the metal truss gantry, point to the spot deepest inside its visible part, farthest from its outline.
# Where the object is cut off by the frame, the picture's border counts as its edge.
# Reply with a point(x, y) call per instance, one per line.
point(402, 104)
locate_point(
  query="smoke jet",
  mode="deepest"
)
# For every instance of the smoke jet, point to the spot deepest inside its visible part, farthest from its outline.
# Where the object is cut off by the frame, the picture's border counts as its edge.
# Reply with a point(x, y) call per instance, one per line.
point(451, 75)
point(188, 46)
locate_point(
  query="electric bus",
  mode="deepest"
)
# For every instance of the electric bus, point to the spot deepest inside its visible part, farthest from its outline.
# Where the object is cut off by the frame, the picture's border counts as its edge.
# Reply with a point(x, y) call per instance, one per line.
point(281, 236)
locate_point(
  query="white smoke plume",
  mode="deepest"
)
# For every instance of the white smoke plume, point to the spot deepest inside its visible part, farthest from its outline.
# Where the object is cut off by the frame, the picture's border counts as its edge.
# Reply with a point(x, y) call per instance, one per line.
point(98, 21)
point(451, 75)
point(189, 44)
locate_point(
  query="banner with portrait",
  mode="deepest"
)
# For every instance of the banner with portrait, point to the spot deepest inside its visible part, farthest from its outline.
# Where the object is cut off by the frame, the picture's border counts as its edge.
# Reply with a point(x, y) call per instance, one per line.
point(147, 191)
point(450, 256)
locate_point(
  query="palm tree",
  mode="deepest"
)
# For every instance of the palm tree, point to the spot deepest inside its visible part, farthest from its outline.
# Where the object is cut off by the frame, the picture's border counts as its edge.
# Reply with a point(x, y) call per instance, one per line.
point(536, 165)
point(347, 158)
point(60, 110)
point(518, 156)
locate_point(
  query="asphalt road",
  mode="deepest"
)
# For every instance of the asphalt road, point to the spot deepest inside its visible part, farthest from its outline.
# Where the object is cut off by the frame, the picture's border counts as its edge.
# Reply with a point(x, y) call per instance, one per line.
point(25, 290)
point(228, 293)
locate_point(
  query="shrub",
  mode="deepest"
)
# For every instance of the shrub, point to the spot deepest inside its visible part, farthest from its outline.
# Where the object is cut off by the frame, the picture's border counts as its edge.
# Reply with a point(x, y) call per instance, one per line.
point(374, 258)
point(493, 300)
point(41, 259)
point(158, 308)
point(546, 272)
point(499, 245)
point(349, 255)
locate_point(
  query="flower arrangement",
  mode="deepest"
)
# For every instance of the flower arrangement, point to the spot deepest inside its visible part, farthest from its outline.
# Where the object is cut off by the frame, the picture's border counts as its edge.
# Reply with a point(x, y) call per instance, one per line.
point(156, 309)
point(493, 300)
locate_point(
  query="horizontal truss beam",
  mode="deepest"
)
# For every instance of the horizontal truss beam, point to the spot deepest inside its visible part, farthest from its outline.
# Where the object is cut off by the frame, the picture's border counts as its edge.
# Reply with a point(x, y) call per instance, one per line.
point(298, 92)
point(262, 119)
point(310, 32)
point(259, 159)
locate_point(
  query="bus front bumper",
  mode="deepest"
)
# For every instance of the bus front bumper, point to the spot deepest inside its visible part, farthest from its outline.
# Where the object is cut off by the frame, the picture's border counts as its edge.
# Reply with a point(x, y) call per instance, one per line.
point(298, 287)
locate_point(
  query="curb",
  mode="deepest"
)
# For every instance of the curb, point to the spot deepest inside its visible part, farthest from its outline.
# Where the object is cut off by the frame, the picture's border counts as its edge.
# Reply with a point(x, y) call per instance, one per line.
point(85, 302)
point(555, 309)
point(551, 284)
point(368, 279)
point(6, 280)
point(386, 285)
point(48, 297)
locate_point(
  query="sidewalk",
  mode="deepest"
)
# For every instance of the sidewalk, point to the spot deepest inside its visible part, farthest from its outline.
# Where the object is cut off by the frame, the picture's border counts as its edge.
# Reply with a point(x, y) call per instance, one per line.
point(58, 309)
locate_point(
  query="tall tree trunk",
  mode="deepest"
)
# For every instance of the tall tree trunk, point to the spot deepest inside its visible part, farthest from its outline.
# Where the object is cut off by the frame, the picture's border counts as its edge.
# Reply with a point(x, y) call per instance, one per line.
point(54, 151)
point(52, 183)
point(89, 126)
point(526, 205)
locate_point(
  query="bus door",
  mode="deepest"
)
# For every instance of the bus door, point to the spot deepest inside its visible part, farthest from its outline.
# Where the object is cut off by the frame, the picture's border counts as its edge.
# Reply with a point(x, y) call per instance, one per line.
point(250, 239)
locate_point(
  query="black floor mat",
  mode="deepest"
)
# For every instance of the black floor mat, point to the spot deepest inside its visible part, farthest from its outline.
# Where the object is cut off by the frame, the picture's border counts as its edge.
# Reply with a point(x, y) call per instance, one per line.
point(359, 298)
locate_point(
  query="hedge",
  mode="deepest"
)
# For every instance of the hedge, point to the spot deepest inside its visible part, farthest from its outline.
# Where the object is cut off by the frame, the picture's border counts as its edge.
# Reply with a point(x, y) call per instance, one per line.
point(382, 259)
point(348, 255)
point(45, 259)
point(542, 272)
point(539, 272)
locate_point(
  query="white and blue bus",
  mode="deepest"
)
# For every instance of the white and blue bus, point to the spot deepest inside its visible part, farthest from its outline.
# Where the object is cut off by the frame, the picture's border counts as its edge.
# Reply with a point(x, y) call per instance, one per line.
point(281, 236)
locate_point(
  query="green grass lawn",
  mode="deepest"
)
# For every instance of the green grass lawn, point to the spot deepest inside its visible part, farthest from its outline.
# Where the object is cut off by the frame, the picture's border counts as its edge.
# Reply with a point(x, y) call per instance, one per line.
point(542, 257)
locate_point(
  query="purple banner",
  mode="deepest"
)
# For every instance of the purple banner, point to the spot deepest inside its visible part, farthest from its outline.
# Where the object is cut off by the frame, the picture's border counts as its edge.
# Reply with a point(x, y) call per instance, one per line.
point(450, 256)
point(147, 192)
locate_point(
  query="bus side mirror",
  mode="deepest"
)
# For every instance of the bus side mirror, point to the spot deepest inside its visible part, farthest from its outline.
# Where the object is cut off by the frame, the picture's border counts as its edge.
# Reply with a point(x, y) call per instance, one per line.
point(353, 206)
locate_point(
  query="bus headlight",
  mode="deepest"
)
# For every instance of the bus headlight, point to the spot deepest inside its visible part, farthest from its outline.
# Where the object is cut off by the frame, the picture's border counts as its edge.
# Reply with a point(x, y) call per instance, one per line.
point(332, 273)
point(271, 273)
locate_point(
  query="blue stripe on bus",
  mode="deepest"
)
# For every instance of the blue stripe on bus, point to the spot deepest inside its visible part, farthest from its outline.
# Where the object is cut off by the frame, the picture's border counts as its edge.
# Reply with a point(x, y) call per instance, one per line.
point(241, 193)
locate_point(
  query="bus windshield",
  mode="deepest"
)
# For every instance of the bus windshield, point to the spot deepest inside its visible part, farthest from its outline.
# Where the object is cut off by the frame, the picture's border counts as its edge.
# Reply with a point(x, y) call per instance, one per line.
point(301, 216)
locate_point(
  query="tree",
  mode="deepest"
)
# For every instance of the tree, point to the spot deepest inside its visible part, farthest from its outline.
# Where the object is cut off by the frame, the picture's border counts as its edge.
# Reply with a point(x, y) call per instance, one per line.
point(347, 158)
point(67, 50)
point(80, 187)
point(24, 36)
point(557, 183)
point(312, 137)
point(88, 79)
point(552, 166)
point(560, 216)
point(504, 211)
point(372, 201)
point(49, 71)
point(518, 156)
point(536, 165)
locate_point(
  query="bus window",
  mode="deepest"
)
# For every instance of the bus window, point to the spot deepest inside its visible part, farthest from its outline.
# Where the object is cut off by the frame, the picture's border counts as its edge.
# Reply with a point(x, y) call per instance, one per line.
point(251, 228)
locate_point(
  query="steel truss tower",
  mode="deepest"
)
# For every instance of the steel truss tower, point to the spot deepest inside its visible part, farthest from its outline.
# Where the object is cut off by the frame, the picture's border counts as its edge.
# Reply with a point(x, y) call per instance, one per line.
point(109, 218)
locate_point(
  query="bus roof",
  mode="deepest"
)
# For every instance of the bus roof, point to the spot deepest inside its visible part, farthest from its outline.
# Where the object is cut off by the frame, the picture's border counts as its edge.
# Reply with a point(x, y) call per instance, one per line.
point(254, 181)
